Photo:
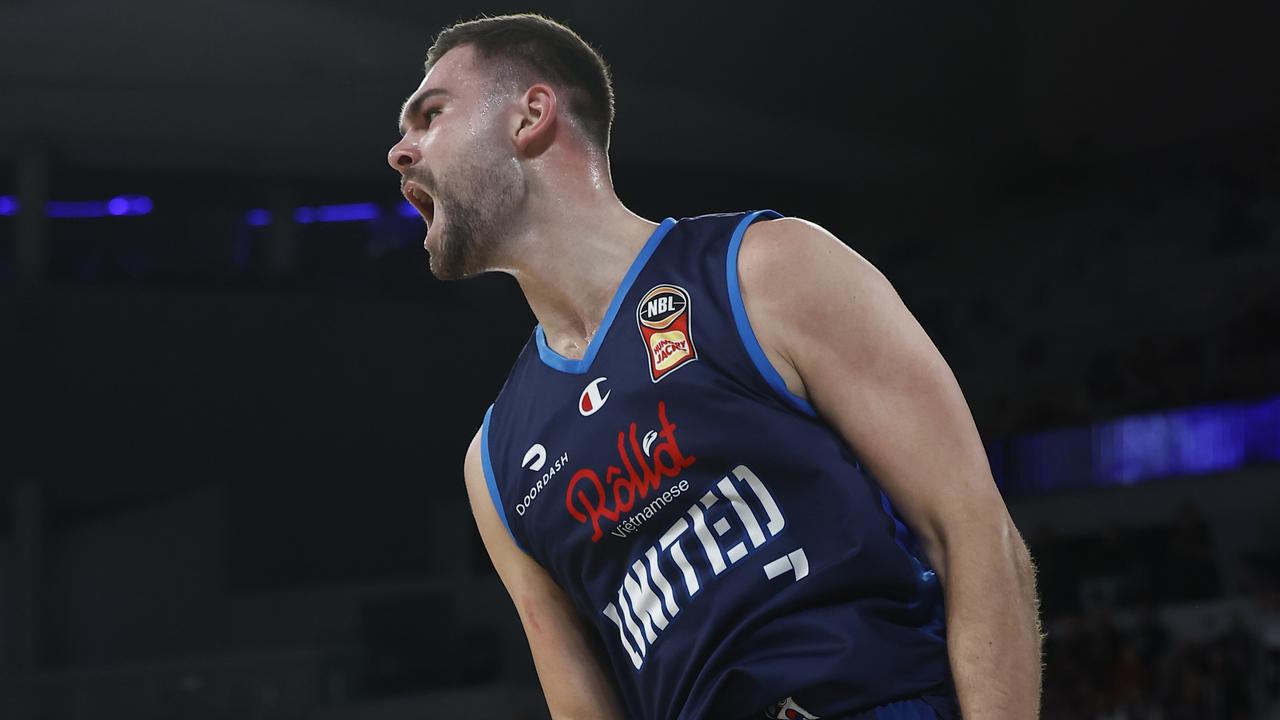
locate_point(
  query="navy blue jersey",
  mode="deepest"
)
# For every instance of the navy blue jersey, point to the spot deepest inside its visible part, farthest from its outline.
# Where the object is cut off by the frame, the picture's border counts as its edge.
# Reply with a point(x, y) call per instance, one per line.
point(733, 554)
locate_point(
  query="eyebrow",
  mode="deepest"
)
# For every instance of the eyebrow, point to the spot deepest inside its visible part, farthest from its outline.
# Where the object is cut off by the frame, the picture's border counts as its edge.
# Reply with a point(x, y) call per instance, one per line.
point(411, 107)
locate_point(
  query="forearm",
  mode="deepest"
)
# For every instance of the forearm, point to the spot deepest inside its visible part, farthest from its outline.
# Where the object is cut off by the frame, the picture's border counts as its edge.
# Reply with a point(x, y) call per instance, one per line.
point(993, 628)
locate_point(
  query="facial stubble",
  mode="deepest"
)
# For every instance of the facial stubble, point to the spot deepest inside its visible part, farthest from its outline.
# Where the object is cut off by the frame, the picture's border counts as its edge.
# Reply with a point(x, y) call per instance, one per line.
point(479, 202)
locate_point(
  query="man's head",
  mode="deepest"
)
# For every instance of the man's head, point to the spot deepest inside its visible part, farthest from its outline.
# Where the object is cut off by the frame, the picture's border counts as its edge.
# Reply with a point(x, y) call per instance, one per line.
point(526, 48)
point(497, 92)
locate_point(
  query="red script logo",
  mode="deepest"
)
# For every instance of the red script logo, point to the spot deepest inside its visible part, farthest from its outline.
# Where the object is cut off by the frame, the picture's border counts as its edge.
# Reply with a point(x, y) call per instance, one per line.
point(588, 501)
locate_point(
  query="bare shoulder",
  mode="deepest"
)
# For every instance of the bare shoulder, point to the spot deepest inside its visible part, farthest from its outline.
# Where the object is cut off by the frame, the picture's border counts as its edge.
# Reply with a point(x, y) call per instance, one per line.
point(786, 251)
point(507, 558)
point(473, 466)
point(473, 450)
point(795, 277)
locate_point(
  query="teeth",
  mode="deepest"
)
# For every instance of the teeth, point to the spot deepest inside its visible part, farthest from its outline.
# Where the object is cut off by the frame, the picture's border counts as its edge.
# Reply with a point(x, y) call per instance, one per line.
point(425, 204)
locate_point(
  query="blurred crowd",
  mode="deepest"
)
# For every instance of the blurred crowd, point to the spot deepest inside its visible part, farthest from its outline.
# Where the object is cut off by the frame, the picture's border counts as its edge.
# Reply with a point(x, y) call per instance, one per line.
point(1115, 652)
point(1096, 670)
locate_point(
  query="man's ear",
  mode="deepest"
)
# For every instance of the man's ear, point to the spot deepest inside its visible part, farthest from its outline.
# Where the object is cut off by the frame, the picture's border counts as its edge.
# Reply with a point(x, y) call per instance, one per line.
point(537, 120)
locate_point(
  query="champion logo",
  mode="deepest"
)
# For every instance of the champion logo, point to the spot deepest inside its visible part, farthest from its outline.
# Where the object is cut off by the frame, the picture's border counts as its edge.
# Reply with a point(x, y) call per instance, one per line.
point(535, 458)
point(591, 400)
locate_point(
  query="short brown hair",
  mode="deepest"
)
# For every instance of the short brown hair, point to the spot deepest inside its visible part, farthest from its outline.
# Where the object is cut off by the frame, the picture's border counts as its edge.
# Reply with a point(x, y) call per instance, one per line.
point(545, 48)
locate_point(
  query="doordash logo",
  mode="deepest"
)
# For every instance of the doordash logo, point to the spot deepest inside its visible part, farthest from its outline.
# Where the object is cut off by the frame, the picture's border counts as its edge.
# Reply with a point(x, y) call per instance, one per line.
point(535, 458)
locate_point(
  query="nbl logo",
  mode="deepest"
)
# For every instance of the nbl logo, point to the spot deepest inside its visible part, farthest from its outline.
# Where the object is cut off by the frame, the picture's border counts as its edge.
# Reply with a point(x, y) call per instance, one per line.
point(664, 318)
point(661, 305)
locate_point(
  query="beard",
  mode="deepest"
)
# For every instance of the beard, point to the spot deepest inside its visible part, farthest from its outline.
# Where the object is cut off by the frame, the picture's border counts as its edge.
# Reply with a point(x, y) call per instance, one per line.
point(479, 200)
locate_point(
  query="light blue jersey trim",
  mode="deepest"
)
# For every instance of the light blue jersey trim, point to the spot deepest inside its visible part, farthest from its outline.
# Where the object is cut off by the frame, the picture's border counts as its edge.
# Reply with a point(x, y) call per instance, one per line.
point(740, 319)
point(492, 481)
point(559, 362)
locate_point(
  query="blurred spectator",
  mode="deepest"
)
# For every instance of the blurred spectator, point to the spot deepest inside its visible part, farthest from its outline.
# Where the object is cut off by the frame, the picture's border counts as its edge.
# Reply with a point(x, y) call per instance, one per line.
point(1219, 679)
point(1178, 649)
point(1128, 679)
point(1190, 573)
point(1223, 663)
point(1153, 638)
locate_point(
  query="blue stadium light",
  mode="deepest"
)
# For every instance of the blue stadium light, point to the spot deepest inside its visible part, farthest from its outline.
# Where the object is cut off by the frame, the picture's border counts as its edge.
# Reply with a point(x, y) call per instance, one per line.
point(258, 217)
point(1189, 441)
point(348, 212)
point(76, 209)
point(138, 204)
point(1262, 431)
point(1197, 440)
point(115, 207)
point(337, 213)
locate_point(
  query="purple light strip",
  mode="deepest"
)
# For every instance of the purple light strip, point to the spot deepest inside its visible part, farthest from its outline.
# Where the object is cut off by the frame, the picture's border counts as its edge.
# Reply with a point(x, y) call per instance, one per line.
point(121, 205)
point(349, 212)
point(133, 205)
point(337, 213)
point(1196, 440)
point(75, 209)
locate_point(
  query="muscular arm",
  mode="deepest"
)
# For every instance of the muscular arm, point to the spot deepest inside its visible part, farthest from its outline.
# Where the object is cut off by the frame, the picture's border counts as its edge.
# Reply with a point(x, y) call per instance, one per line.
point(839, 335)
point(575, 683)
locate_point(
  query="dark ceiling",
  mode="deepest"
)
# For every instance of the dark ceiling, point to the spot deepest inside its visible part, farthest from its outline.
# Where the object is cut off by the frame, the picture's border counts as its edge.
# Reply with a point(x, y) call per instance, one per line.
point(835, 91)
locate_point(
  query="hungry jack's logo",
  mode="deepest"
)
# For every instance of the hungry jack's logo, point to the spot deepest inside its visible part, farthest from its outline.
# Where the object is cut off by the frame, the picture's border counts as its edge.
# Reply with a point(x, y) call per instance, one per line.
point(663, 316)
point(587, 498)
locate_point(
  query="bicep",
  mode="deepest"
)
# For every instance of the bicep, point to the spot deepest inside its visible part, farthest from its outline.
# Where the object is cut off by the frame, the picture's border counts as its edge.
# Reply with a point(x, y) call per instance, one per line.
point(575, 682)
point(871, 371)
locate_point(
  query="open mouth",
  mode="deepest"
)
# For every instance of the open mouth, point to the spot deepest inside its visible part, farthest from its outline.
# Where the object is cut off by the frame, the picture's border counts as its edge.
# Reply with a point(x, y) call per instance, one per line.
point(421, 201)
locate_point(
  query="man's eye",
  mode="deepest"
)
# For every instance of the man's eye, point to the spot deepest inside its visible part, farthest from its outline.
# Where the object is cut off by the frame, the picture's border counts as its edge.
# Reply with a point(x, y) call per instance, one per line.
point(430, 115)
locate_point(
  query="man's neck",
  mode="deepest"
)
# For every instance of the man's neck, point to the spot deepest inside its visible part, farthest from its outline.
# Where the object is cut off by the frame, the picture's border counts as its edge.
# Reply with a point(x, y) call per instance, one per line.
point(570, 260)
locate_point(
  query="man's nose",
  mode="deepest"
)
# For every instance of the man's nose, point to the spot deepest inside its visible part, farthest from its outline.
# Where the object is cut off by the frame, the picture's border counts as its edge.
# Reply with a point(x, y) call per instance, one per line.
point(403, 156)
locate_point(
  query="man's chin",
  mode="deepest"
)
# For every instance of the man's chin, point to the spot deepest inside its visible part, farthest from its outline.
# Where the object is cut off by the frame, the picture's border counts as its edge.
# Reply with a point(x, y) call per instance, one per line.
point(447, 269)
point(457, 256)
point(442, 271)
point(444, 265)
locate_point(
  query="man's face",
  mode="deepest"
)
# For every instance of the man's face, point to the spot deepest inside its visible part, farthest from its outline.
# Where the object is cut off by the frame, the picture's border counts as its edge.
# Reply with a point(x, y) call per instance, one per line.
point(458, 167)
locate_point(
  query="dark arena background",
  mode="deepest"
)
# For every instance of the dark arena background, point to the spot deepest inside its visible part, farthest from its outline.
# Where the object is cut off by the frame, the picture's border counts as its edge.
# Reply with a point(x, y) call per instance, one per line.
point(234, 402)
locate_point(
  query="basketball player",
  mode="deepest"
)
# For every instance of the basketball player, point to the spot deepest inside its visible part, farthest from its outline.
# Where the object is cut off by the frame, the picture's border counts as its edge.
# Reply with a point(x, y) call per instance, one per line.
point(729, 476)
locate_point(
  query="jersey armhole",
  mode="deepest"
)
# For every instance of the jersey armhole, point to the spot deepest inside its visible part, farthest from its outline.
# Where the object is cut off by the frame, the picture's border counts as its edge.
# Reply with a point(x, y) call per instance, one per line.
point(748, 336)
point(491, 480)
